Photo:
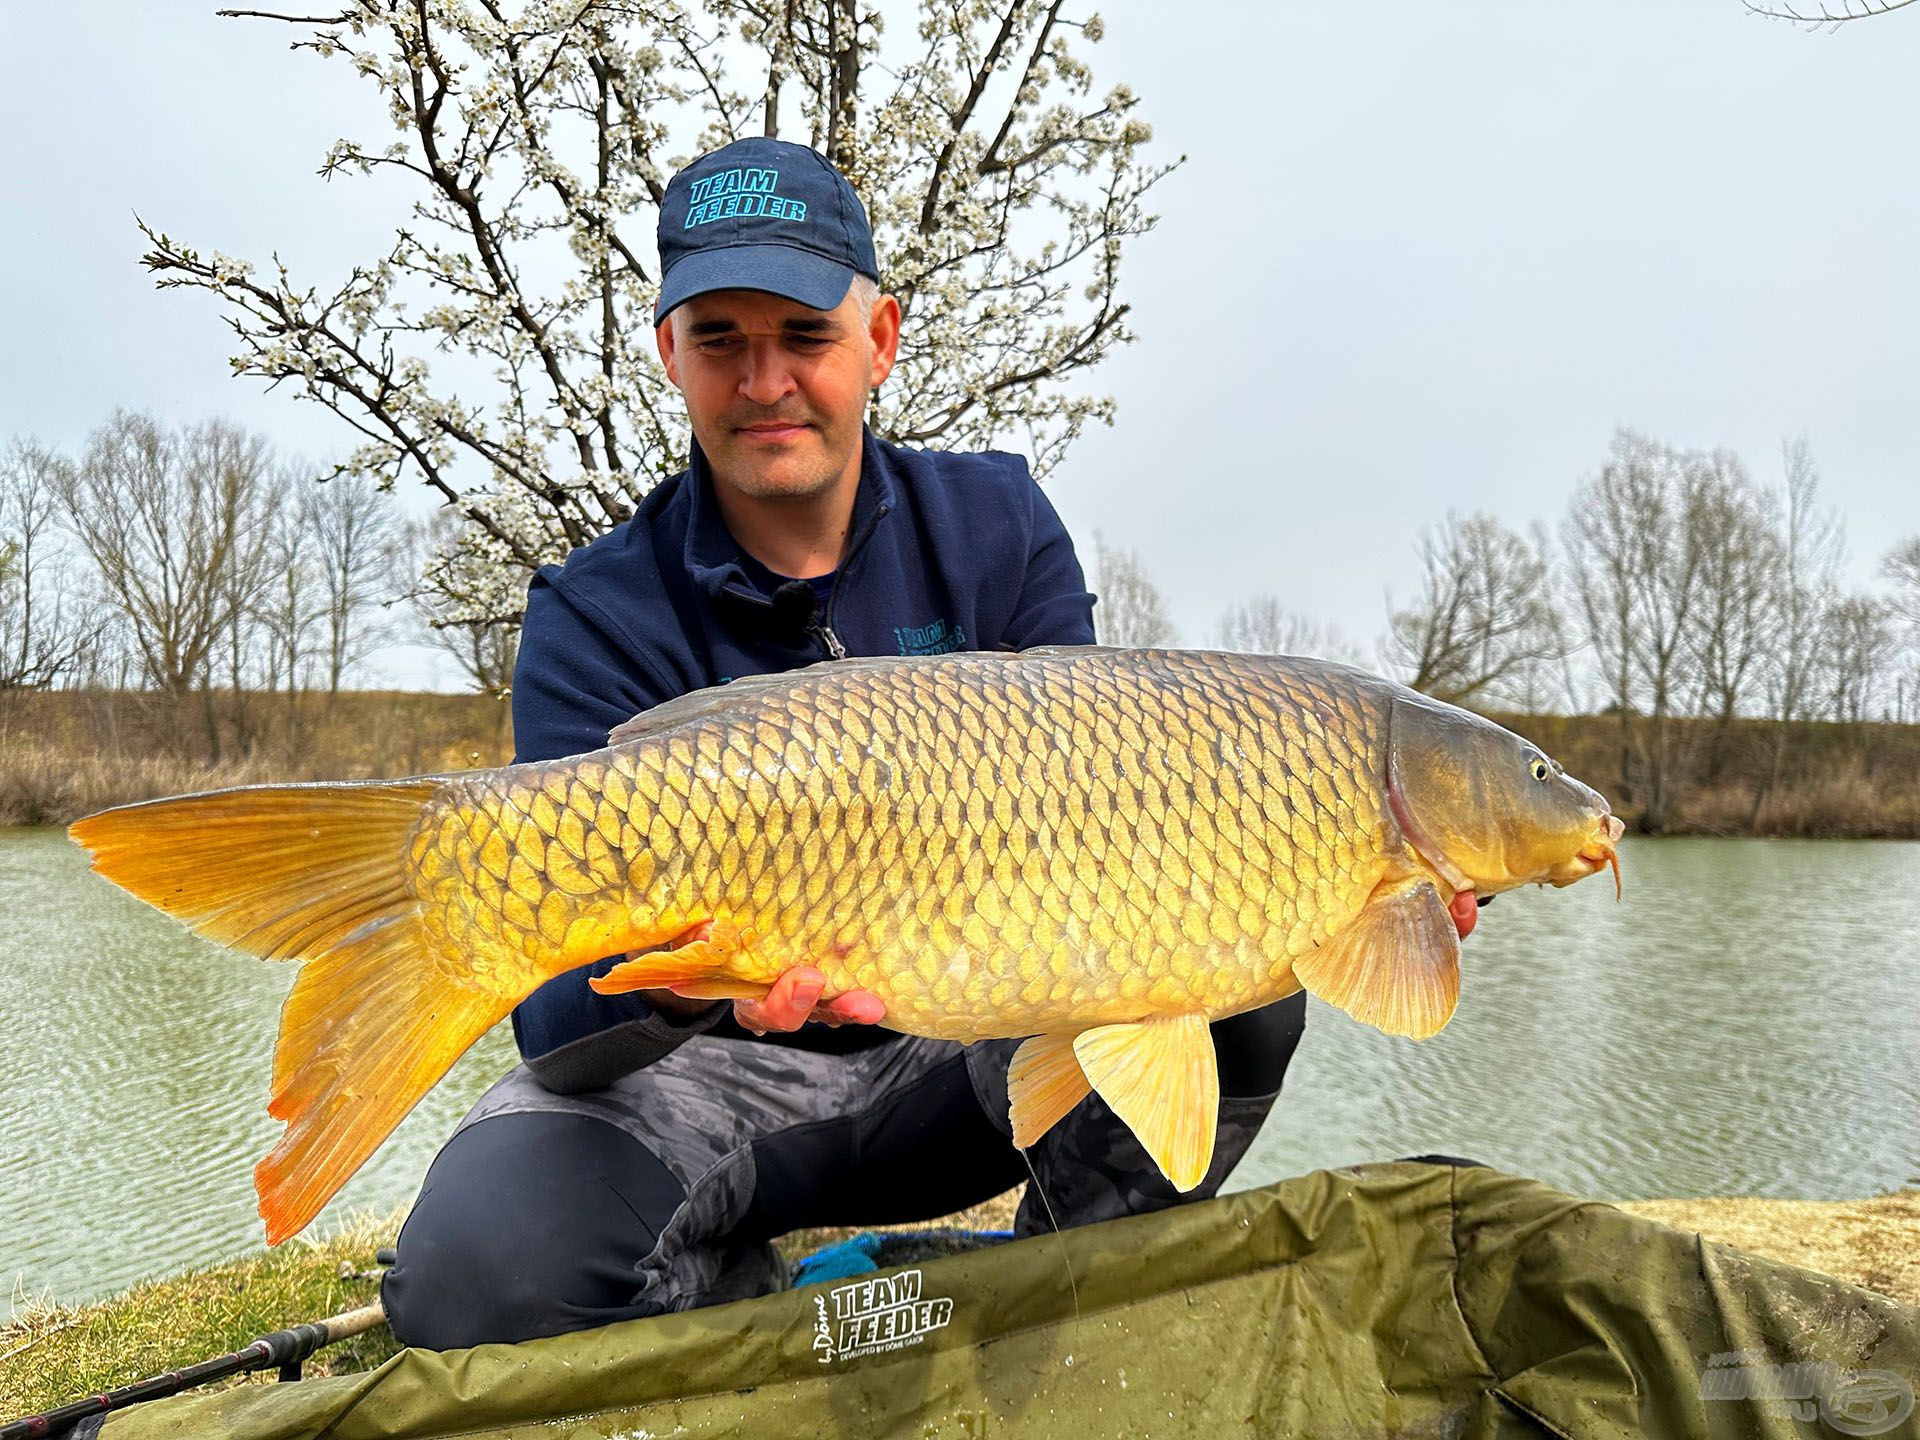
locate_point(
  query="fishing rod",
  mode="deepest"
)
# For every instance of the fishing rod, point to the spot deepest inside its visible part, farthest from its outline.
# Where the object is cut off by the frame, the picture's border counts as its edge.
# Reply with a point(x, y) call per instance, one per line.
point(285, 1348)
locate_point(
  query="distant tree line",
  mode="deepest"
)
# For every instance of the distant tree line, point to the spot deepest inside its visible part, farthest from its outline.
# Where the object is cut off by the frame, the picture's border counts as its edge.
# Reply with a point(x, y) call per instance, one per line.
point(1677, 589)
point(1677, 596)
point(193, 562)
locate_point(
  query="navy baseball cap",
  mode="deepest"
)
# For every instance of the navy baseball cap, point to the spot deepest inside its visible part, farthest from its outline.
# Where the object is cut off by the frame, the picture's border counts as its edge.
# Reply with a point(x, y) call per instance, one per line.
point(762, 215)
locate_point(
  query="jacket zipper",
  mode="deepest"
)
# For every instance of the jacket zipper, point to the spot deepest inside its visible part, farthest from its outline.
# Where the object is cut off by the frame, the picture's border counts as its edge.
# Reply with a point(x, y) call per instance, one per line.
point(835, 650)
point(824, 630)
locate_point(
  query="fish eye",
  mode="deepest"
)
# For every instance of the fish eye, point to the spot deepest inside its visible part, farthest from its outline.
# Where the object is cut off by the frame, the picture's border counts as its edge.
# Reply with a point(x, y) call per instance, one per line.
point(1540, 768)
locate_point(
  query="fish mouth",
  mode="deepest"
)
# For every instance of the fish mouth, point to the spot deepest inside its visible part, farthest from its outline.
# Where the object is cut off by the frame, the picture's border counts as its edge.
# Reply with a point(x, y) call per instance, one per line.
point(1599, 853)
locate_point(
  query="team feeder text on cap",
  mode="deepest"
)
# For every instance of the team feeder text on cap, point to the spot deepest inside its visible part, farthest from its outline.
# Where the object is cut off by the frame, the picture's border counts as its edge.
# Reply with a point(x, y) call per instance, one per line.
point(740, 192)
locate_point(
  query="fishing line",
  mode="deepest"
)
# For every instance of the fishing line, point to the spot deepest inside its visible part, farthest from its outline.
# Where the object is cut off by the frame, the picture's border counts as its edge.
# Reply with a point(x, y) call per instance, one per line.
point(1066, 1254)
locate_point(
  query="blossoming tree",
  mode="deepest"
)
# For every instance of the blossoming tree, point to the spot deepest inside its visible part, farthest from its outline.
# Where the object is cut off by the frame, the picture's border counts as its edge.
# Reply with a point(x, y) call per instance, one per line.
point(537, 138)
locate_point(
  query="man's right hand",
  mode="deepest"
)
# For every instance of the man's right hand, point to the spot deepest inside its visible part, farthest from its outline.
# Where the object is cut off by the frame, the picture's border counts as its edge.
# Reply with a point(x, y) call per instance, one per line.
point(793, 1000)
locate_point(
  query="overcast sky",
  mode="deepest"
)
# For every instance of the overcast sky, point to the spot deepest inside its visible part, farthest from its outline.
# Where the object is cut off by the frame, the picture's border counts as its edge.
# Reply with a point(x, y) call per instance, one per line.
point(1423, 256)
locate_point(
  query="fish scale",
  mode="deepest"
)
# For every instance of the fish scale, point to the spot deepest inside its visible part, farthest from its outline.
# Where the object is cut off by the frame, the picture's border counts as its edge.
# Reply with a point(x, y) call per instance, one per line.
point(992, 848)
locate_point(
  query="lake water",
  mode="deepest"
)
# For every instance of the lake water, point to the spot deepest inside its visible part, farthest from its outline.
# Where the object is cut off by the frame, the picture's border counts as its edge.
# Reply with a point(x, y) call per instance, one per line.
point(1746, 1022)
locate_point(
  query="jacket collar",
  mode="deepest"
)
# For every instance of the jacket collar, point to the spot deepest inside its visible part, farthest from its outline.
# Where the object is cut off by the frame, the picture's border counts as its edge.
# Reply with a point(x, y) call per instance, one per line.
point(712, 554)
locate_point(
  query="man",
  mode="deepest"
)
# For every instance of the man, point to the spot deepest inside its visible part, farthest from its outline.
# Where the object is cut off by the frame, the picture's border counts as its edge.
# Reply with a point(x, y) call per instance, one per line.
point(649, 1147)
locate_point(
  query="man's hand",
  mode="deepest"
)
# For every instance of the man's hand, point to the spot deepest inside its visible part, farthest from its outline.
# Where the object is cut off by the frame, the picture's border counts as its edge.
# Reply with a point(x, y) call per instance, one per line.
point(793, 1000)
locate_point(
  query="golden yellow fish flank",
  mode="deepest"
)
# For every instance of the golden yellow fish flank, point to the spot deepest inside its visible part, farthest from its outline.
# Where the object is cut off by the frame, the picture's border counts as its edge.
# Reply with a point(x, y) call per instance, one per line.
point(1099, 849)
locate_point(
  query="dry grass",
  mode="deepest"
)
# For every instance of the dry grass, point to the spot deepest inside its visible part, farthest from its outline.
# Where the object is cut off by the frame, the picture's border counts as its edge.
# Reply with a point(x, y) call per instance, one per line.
point(1835, 780)
point(1871, 1243)
point(68, 754)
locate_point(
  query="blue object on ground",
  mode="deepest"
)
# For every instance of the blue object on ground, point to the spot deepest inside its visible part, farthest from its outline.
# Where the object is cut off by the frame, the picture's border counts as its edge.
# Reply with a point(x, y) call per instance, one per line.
point(874, 1250)
point(837, 1262)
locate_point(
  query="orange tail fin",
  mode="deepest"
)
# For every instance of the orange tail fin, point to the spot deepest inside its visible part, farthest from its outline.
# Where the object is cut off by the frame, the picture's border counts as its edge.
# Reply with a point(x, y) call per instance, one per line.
point(314, 873)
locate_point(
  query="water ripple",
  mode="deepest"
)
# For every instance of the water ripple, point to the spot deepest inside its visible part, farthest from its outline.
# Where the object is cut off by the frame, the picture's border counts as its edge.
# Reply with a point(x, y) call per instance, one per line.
point(1743, 1024)
point(138, 1068)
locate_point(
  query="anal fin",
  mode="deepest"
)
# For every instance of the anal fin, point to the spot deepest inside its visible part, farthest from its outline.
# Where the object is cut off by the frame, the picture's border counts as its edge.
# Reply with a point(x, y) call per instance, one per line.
point(1396, 965)
point(1161, 1078)
point(1044, 1082)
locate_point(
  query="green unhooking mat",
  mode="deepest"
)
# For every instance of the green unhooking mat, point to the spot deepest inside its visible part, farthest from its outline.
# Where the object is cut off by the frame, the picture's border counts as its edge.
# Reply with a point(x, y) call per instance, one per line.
point(1403, 1299)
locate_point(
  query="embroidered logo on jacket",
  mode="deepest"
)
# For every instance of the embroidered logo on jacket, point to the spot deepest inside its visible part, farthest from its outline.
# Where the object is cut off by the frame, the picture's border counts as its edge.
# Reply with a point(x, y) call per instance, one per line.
point(938, 638)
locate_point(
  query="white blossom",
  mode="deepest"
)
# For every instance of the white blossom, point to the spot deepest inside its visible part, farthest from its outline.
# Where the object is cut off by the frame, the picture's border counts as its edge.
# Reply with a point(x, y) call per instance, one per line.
point(536, 140)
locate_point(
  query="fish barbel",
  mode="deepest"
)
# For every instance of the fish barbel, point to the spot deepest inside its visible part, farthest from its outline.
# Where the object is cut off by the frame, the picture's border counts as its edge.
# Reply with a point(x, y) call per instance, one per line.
point(1099, 849)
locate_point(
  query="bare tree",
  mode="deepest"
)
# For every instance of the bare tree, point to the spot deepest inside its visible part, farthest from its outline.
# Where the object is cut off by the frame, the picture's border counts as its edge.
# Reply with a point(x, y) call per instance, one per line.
point(244, 584)
point(1263, 626)
point(1902, 567)
point(1637, 544)
point(293, 607)
point(359, 552)
point(485, 650)
point(1483, 620)
point(42, 639)
point(538, 140)
point(1737, 620)
point(169, 521)
point(1600, 553)
point(1129, 610)
point(1809, 548)
point(1857, 653)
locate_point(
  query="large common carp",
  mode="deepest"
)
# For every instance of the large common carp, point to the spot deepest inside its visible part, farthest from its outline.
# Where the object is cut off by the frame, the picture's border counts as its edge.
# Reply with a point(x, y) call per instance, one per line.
point(1100, 849)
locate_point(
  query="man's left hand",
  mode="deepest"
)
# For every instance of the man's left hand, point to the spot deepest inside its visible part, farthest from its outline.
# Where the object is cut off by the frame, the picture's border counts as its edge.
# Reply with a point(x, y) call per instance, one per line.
point(795, 999)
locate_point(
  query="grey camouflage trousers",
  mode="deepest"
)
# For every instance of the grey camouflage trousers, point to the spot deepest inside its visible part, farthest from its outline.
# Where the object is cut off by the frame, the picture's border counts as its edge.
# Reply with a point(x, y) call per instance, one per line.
point(761, 1138)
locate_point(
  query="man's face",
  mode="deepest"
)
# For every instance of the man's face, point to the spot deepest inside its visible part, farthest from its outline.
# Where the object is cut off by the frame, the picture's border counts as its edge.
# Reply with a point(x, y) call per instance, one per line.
point(776, 390)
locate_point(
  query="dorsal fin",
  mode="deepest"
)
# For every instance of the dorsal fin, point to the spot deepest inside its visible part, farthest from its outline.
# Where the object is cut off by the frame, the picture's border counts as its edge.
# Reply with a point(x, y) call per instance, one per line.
point(748, 688)
point(1063, 650)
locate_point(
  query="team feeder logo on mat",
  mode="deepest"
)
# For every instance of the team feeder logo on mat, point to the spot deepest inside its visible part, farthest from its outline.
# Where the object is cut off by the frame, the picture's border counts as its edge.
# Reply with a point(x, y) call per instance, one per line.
point(869, 1316)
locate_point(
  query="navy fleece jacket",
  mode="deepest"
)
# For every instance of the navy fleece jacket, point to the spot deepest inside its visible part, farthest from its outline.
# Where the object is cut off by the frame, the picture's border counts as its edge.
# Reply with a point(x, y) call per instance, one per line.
point(945, 552)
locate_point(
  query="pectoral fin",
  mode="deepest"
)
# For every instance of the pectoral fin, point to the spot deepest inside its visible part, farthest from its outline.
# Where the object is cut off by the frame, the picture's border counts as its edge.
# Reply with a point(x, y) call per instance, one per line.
point(1161, 1078)
point(1396, 966)
point(698, 965)
point(1044, 1082)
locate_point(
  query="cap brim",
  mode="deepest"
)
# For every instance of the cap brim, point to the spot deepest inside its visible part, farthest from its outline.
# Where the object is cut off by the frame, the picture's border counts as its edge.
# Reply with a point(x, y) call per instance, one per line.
point(784, 270)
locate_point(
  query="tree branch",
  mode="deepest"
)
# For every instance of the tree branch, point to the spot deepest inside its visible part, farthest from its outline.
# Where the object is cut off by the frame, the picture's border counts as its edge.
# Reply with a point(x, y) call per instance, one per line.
point(930, 206)
point(340, 19)
point(1866, 10)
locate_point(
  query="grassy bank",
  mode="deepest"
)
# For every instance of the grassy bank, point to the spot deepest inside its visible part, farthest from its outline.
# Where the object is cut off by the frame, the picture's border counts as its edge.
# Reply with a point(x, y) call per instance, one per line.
point(67, 754)
point(1817, 779)
point(49, 1356)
